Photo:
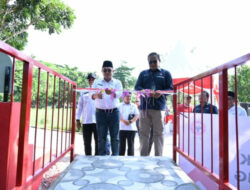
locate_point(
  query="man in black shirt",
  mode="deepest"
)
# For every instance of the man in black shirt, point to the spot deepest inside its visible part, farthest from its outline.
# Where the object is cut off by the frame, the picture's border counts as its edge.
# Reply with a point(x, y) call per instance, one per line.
point(204, 106)
point(152, 108)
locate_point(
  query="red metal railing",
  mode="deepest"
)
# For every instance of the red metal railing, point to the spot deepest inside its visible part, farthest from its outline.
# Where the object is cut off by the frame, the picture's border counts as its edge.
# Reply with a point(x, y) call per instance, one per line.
point(37, 154)
point(201, 126)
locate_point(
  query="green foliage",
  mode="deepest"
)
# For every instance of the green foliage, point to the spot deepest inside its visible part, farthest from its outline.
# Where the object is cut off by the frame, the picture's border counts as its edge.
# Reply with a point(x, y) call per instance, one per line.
point(243, 83)
point(41, 118)
point(72, 73)
point(18, 82)
point(44, 15)
point(123, 73)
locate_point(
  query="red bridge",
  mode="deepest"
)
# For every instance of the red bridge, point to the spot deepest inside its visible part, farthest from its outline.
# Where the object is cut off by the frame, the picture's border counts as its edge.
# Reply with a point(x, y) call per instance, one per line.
point(211, 149)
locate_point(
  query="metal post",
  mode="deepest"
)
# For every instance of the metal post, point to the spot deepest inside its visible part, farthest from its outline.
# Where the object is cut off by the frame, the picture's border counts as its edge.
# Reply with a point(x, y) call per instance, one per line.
point(73, 125)
point(223, 127)
point(52, 119)
point(211, 120)
point(237, 127)
point(175, 124)
point(45, 119)
point(37, 113)
point(23, 151)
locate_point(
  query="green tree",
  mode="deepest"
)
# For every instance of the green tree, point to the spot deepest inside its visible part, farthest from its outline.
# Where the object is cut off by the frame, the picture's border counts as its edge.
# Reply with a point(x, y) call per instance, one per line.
point(243, 83)
point(45, 15)
point(72, 73)
point(123, 73)
point(18, 82)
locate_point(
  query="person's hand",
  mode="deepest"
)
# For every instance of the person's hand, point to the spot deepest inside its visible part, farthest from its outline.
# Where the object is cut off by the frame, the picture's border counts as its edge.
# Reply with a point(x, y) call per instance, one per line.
point(157, 94)
point(148, 92)
point(97, 96)
point(78, 124)
point(152, 94)
point(108, 91)
point(126, 122)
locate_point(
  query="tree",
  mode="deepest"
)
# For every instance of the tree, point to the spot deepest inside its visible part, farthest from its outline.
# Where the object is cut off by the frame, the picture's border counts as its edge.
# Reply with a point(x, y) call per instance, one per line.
point(45, 15)
point(72, 73)
point(243, 83)
point(123, 73)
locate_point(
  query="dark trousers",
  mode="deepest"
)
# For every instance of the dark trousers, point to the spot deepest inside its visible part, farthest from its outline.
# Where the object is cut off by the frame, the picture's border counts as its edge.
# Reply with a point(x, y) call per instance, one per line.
point(88, 130)
point(151, 140)
point(128, 136)
point(108, 121)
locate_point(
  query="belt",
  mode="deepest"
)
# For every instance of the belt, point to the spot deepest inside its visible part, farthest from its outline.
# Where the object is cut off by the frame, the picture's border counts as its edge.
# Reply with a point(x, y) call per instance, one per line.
point(106, 110)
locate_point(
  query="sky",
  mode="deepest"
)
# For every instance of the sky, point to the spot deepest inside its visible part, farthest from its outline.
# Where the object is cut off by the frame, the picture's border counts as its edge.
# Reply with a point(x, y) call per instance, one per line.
point(192, 36)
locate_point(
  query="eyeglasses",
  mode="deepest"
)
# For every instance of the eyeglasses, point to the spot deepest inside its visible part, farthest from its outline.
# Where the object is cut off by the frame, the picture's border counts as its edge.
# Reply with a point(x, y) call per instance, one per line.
point(153, 62)
point(91, 79)
point(107, 70)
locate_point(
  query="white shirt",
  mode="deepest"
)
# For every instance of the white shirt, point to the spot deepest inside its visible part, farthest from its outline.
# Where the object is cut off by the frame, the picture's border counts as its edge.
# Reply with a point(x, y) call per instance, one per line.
point(125, 110)
point(86, 109)
point(107, 101)
point(241, 111)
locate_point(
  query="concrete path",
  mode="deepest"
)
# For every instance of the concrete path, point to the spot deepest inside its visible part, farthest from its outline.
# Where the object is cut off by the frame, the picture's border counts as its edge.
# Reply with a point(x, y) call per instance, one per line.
point(123, 173)
point(59, 167)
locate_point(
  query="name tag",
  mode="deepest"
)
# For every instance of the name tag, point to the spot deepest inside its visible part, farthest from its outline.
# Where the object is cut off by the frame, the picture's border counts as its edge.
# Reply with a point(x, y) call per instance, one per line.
point(162, 77)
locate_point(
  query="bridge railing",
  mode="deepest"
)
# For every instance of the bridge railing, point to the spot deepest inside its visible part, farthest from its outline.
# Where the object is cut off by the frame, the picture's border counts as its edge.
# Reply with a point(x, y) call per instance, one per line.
point(46, 127)
point(211, 141)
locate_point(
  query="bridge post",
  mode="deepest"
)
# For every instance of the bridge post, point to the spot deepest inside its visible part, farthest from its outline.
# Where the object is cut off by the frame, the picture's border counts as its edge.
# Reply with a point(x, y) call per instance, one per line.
point(23, 151)
point(223, 128)
point(73, 125)
point(175, 124)
point(10, 114)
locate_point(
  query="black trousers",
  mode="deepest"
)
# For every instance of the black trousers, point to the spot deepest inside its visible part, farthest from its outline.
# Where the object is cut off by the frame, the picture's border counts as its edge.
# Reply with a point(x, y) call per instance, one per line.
point(88, 130)
point(130, 137)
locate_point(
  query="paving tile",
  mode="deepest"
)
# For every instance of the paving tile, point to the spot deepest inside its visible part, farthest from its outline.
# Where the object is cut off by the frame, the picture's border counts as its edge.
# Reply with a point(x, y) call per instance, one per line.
point(123, 173)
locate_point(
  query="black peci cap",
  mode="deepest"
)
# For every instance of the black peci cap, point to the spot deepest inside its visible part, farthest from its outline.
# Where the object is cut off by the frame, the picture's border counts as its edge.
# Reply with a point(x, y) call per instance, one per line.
point(107, 64)
point(231, 93)
point(91, 75)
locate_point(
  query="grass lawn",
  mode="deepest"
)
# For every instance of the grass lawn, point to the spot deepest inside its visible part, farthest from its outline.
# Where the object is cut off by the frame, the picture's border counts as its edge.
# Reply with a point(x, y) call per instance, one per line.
point(41, 118)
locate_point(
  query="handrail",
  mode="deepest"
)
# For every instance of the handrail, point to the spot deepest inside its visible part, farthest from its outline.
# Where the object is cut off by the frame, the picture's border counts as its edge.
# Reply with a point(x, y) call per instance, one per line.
point(236, 62)
point(30, 166)
point(179, 144)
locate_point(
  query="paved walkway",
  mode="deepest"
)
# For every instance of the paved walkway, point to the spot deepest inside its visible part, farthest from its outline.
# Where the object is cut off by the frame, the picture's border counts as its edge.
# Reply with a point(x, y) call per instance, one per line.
point(55, 171)
point(123, 173)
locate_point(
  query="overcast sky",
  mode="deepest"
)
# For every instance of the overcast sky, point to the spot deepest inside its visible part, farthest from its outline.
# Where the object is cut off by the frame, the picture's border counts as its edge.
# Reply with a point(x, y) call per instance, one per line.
point(192, 35)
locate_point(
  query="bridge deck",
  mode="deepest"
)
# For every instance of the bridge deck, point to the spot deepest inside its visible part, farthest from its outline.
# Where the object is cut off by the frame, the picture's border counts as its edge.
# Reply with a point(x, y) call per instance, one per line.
point(118, 173)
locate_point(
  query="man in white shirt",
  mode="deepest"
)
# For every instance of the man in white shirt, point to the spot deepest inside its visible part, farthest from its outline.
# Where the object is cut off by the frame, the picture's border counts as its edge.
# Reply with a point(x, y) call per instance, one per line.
point(86, 109)
point(231, 106)
point(107, 112)
point(128, 116)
